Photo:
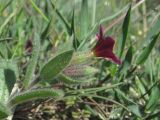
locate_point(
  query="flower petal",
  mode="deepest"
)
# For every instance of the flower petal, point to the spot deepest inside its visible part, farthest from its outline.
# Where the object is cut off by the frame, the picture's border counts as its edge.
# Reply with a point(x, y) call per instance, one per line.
point(115, 59)
point(108, 54)
point(106, 43)
point(109, 42)
point(100, 34)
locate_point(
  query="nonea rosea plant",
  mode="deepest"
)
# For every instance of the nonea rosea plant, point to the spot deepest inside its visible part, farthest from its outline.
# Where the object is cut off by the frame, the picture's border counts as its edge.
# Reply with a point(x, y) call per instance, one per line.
point(58, 60)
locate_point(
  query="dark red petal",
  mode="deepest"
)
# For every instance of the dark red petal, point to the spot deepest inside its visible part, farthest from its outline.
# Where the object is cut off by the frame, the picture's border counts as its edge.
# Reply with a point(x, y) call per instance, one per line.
point(100, 34)
point(108, 54)
point(106, 43)
point(109, 42)
point(116, 59)
point(101, 30)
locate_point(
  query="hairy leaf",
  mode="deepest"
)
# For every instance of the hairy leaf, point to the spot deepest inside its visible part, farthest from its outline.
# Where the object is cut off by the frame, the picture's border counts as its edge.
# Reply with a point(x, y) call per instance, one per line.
point(35, 94)
point(56, 65)
point(33, 62)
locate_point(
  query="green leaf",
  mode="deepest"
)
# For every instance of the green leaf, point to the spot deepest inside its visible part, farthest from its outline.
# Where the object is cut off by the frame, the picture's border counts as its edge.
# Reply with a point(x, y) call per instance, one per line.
point(72, 24)
point(84, 19)
point(75, 40)
point(3, 51)
point(128, 58)
point(125, 98)
point(129, 55)
point(135, 110)
point(145, 53)
point(56, 65)
point(38, 10)
point(33, 62)
point(35, 94)
point(153, 99)
point(91, 110)
point(4, 111)
point(125, 30)
point(8, 74)
point(140, 86)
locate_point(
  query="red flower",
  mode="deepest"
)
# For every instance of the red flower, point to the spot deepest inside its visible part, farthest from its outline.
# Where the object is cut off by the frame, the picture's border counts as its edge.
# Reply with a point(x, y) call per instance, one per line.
point(104, 47)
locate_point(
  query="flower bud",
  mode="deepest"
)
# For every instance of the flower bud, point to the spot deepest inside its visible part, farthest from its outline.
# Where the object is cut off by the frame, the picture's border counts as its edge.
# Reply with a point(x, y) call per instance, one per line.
point(81, 57)
point(79, 70)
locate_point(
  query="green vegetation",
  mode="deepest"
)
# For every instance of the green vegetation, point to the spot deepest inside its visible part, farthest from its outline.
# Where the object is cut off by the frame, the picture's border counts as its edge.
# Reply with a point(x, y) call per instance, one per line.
point(49, 69)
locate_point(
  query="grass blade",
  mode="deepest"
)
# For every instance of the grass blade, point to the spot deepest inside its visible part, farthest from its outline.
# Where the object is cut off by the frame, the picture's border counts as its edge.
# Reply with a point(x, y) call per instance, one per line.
point(135, 110)
point(96, 26)
point(45, 32)
point(64, 21)
point(127, 61)
point(125, 31)
point(7, 21)
point(39, 11)
point(145, 53)
point(75, 40)
point(84, 20)
point(154, 98)
point(154, 29)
